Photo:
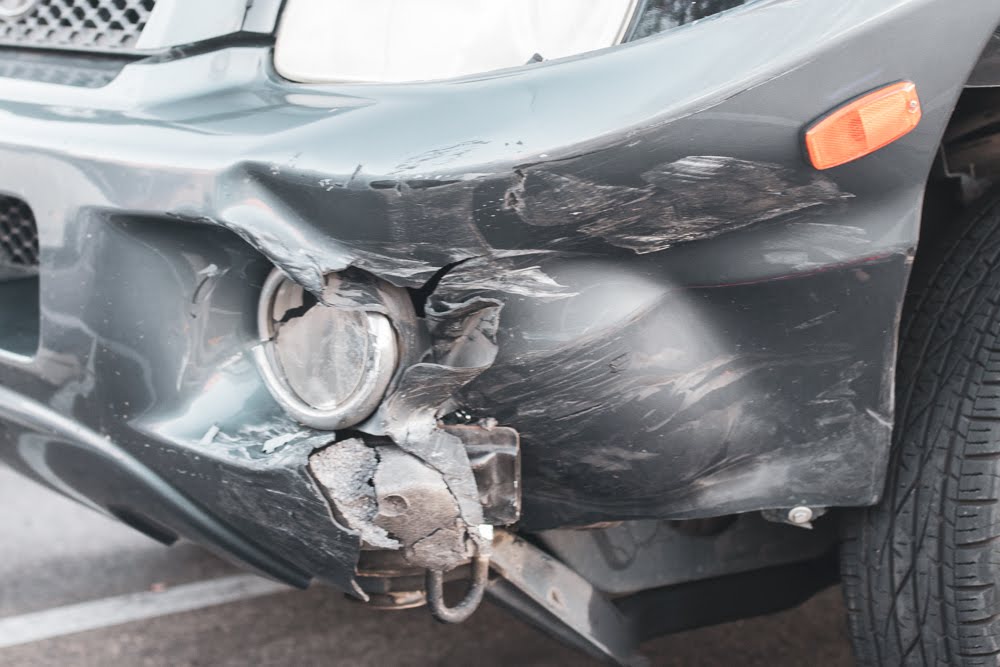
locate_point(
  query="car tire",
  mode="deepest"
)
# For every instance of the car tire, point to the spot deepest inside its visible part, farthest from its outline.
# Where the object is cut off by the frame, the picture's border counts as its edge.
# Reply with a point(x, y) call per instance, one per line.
point(921, 570)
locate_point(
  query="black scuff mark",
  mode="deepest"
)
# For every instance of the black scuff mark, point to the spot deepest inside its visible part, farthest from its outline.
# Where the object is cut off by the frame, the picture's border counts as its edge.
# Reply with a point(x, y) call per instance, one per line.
point(513, 199)
point(354, 175)
point(438, 157)
point(412, 184)
point(691, 199)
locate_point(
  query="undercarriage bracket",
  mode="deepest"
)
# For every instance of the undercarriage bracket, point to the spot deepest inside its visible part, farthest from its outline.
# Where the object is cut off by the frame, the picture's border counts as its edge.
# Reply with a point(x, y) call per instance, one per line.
point(546, 593)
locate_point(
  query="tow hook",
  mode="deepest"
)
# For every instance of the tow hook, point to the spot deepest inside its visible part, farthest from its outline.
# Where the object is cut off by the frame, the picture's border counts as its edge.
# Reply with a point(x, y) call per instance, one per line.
point(543, 591)
point(473, 597)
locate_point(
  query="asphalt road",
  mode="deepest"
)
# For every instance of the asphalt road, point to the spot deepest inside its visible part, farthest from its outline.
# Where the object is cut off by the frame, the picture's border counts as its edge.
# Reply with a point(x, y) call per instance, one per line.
point(55, 553)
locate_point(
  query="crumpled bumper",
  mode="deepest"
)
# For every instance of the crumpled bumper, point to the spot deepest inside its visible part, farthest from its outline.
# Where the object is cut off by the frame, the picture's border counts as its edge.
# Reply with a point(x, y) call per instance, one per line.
point(689, 321)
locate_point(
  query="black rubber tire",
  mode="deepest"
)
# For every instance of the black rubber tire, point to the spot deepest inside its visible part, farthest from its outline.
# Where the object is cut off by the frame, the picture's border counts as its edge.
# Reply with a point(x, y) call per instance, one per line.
point(921, 571)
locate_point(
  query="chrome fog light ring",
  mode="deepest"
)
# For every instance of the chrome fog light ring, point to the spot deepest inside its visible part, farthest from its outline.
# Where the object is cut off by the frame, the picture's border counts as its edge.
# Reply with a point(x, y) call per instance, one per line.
point(374, 346)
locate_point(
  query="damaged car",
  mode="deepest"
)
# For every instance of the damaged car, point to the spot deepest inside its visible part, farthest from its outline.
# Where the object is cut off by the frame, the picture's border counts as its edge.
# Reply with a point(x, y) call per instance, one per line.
point(629, 316)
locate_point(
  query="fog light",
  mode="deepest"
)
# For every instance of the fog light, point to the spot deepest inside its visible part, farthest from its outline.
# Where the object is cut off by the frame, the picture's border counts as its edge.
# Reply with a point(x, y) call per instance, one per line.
point(327, 364)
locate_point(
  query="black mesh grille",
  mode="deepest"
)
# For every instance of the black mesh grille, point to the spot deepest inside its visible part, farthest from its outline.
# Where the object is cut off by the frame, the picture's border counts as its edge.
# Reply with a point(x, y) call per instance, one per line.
point(661, 15)
point(79, 24)
point(18, 234)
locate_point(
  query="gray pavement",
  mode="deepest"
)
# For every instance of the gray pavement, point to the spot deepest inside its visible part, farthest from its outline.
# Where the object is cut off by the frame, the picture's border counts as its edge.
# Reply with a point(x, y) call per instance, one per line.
point(55, 553)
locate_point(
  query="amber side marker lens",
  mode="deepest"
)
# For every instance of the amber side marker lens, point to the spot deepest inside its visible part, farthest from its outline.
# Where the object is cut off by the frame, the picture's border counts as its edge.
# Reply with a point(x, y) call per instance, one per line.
point(864, 125)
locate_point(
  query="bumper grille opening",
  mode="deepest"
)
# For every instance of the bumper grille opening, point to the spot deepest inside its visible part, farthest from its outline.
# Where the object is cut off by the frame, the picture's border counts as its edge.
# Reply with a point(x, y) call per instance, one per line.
point(79, 24)
point(19, 306)
point(18, 234)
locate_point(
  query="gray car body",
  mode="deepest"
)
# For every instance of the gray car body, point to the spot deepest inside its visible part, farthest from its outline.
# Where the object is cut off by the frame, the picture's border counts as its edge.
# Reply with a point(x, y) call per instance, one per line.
point(691, 321)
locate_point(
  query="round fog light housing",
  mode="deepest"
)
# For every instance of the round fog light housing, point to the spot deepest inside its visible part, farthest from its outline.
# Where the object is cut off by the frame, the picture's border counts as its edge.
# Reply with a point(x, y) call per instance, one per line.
point(327, 364)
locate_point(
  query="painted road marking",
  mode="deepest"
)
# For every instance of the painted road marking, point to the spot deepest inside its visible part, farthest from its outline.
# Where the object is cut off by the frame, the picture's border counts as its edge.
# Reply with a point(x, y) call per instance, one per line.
point(112, 611)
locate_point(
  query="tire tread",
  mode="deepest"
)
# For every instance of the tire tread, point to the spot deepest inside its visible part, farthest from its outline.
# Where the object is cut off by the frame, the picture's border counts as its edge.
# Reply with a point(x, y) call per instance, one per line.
point(919, 569)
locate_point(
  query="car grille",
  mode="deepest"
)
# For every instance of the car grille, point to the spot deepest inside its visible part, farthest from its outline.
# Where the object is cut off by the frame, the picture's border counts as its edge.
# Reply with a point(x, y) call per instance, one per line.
point(661, 15)
point(83, 71)
point(79, 24)
point(18, 234)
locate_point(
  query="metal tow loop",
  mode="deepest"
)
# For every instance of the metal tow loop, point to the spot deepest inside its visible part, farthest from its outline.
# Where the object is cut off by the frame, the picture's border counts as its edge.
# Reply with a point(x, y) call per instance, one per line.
point(474, 596)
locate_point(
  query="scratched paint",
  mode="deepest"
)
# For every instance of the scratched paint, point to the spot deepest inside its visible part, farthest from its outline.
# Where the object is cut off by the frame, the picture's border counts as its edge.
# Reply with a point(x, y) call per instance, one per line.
point(692, 199)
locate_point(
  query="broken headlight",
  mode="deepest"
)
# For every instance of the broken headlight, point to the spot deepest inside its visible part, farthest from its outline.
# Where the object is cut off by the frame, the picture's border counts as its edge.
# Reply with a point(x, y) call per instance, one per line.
point(421, 40)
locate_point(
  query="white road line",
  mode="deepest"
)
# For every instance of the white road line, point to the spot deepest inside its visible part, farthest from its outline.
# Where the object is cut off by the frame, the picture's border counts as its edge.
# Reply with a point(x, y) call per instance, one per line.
point(112, 611)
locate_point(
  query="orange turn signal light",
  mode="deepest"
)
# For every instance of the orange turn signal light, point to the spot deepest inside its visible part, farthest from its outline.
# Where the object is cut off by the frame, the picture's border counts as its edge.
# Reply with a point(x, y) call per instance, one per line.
point(864, 125)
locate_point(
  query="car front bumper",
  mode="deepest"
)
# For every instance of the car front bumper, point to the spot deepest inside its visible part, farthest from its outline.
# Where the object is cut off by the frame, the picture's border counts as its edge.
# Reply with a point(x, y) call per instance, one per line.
point(693, 322)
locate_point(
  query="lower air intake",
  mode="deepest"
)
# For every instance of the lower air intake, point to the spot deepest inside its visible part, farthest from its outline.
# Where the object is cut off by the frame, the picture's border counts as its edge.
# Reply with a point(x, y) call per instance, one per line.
point(18, 234)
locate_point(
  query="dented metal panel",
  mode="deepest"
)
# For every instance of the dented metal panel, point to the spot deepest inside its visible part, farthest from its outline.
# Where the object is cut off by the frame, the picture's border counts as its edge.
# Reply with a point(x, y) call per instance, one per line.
point(640, 275)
